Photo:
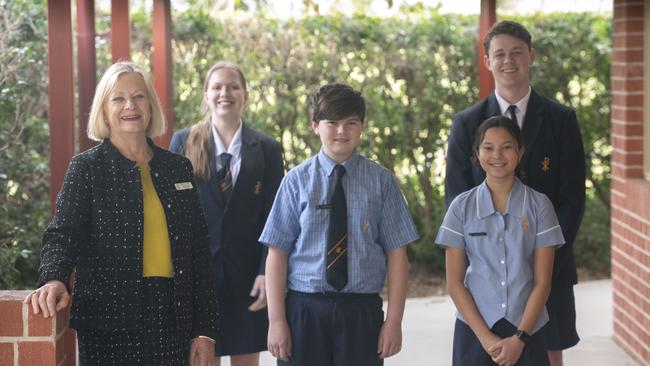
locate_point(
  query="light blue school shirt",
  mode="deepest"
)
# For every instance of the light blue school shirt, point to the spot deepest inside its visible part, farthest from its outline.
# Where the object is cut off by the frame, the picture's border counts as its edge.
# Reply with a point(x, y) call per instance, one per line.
point(378, 221)
point(501, 247)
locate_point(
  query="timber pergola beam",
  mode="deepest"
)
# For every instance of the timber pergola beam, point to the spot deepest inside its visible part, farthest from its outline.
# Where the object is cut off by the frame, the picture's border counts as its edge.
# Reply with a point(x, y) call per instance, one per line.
point(66, 136)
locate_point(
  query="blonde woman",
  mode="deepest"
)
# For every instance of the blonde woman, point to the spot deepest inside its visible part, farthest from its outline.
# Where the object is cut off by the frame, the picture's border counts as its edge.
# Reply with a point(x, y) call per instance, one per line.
point(129, 224)
point(238, 171)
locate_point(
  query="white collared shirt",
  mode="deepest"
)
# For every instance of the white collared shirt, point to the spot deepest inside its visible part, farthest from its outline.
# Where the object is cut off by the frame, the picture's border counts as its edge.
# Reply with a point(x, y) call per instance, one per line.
point(234, 149)
point(522, 105)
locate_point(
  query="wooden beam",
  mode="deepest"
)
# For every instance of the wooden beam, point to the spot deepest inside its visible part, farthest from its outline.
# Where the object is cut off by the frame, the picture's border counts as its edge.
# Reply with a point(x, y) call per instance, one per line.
point(60, 92)
point(162, 65)
point(120, 31)
point(86, 66)
point(487, 19)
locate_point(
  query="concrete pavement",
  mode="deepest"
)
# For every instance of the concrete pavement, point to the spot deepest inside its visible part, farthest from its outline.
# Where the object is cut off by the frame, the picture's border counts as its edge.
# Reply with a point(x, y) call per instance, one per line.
point(429, 324)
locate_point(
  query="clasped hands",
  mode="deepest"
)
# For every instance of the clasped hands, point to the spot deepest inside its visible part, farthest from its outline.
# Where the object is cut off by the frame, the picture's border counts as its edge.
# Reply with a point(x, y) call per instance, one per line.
point(503, 351)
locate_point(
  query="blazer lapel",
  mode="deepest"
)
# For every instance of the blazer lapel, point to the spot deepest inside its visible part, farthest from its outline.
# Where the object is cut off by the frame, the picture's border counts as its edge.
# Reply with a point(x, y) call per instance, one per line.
point(250, 155)
point(532, 123)
point(492, 108)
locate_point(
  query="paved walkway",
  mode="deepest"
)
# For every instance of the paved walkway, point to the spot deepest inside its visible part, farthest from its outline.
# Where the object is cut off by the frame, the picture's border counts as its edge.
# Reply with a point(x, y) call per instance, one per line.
point(428, 331)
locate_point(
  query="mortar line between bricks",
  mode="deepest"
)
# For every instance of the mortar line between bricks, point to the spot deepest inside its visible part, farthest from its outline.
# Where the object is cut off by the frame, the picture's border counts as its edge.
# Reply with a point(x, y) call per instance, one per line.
point(26, 339)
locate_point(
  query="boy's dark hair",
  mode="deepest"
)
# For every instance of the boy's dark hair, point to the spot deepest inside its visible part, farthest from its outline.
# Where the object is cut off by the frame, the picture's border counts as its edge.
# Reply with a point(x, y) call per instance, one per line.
point(510, 126)
point(337, 101)
point(510, 28)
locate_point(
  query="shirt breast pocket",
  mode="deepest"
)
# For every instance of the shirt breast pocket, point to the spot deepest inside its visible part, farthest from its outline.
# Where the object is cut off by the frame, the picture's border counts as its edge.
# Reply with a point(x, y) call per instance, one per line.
point(315, 216)
point(478, 239)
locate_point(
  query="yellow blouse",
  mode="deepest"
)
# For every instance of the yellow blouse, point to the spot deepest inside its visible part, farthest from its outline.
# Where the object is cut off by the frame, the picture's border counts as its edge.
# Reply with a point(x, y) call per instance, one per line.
point(157, 255)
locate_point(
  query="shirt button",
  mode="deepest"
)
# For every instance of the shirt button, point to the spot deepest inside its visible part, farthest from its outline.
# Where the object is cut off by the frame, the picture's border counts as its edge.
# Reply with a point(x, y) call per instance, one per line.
point(503, 283)
point(502, 305)
point(503, 262)
point(500, 239)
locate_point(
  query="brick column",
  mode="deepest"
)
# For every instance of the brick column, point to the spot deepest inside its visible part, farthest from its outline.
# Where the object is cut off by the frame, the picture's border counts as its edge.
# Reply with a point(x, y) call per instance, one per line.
point(630, 210)
point(27, 339)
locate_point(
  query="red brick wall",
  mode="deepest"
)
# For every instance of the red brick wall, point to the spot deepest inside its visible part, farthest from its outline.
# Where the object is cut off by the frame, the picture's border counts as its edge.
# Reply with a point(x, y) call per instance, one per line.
point(630, 191)
point(27, 339)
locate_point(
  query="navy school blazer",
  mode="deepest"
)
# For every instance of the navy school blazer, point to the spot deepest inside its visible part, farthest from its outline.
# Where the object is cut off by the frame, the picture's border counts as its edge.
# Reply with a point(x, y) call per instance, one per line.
point(234, 229)
point(553, 163)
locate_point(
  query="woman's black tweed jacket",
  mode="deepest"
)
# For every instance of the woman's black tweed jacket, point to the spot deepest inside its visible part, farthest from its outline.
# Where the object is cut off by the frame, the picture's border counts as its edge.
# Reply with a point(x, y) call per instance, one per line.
point(97, 231)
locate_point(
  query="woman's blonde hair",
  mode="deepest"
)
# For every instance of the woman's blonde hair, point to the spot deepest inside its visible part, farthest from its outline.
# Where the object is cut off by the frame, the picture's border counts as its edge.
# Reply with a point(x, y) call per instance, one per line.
point(198, 142)
point(98, 126)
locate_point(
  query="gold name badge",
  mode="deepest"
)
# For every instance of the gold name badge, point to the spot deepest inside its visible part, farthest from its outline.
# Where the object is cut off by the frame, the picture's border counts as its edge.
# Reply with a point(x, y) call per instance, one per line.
point(183, 186)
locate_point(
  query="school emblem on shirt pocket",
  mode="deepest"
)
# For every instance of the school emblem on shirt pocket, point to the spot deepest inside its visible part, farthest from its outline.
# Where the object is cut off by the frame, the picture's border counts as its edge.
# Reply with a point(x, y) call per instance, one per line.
point(365, 227)
point(546, 164)
point(258, 187)
point(524, 224)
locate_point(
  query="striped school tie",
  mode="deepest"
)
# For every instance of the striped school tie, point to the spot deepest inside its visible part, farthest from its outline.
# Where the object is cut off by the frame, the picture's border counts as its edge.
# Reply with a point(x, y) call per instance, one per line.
point(224, 177)
point(337, 235)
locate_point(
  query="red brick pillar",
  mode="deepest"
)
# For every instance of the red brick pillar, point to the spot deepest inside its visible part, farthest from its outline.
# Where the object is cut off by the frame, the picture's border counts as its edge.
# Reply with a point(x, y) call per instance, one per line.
point(630, 209)
point(27, 339)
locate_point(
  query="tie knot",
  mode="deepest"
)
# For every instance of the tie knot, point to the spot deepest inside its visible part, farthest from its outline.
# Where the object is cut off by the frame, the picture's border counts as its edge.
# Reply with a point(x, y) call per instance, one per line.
point(339, 170)
point(225, 160)
point(512, 109)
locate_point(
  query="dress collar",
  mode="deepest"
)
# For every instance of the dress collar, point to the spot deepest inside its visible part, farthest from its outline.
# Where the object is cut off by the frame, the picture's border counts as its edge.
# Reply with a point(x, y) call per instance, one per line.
point(517, 200)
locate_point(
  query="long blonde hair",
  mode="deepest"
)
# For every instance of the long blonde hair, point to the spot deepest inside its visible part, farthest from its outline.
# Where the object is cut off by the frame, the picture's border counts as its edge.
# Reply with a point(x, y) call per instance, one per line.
point(197, 144)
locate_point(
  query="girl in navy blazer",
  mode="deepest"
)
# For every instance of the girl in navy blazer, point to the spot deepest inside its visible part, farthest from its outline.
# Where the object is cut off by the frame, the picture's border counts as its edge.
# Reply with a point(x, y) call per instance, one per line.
point(238, 171)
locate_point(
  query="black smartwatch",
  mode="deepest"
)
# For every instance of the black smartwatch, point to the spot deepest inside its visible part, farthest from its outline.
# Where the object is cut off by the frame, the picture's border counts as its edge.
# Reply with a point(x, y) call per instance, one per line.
point(523, 336)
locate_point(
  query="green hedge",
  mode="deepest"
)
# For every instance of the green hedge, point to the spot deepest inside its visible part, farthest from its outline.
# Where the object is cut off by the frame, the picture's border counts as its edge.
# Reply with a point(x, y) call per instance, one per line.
point(415, 71)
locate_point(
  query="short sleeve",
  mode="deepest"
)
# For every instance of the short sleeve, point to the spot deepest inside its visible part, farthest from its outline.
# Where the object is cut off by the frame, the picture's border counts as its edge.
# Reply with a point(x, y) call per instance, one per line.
point(397, 228)
point(283, 223)
point(549, 231)
point(452, 233)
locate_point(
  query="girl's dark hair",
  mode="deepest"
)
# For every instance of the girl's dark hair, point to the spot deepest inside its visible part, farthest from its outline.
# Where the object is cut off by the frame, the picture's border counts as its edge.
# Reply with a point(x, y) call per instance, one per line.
point(509, 125)
point(337, 101)
point(497, 121)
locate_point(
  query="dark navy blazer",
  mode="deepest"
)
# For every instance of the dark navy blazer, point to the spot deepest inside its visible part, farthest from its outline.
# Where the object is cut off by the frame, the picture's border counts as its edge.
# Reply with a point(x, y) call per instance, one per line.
point(553, 163)
point(234, 229)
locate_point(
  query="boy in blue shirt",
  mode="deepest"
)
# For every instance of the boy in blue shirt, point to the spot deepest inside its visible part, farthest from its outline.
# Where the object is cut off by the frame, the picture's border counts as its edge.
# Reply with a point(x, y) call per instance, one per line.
point(338, 224)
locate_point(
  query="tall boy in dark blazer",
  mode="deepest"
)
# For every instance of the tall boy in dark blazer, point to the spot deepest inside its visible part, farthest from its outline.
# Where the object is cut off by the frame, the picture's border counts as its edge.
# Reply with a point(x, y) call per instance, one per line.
point(553, 162)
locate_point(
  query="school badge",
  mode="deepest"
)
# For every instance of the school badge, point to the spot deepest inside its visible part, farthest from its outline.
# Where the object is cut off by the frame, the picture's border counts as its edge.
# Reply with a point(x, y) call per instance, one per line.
point(258, 188)
point(546, 164)
point(524, 224)
point(365, 226)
